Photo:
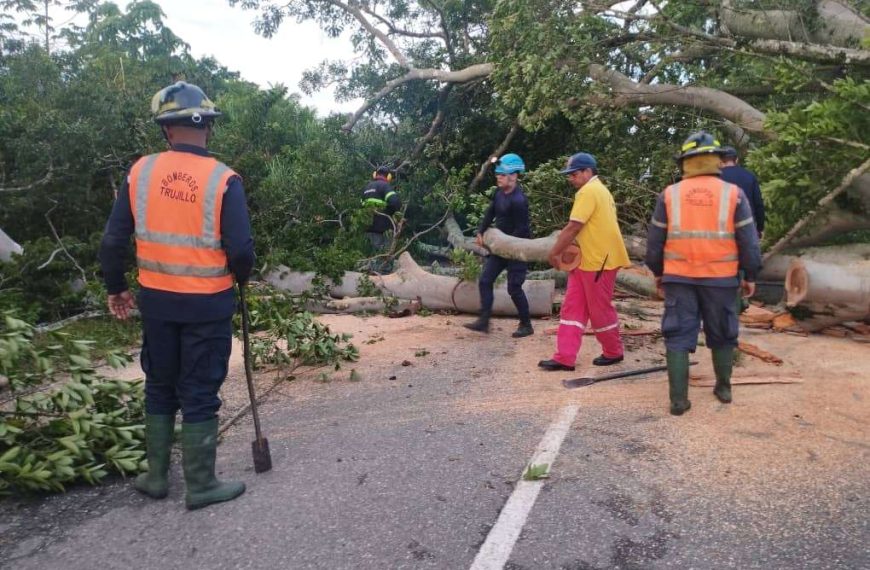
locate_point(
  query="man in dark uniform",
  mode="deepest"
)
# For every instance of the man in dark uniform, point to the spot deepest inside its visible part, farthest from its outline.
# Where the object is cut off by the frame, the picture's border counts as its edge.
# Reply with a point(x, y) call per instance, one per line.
point(380, 194)
point(747, 181)
point(193, 240)
point(510, 209)
point(701, 234)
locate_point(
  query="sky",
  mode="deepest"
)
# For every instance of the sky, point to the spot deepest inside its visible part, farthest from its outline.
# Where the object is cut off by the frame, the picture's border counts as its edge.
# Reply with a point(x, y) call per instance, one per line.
point(213, 28)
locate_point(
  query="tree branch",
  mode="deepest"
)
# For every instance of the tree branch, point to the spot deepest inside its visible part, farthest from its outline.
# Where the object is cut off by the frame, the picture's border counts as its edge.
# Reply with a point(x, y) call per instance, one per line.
point(628, 92)
point(393, 29)
point(44, 180)
point(433, 129)
point(840, 25)
point(63, 247)
point(356, 12)
point(461, 76)
point(515, 128)
point(851, 177)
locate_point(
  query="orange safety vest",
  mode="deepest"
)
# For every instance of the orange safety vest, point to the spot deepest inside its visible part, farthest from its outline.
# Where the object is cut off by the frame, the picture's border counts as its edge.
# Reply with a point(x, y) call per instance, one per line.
point(176, 198)
point(701, 240)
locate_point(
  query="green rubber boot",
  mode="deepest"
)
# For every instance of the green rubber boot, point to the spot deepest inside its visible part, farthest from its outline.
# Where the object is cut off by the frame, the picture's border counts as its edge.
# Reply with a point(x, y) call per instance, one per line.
point(678, 381)
point(723, 363)
point(158, 445)
point(200, 450)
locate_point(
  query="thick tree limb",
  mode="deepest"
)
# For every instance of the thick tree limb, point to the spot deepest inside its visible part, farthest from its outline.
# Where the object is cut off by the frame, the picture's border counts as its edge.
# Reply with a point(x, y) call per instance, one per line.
point(437, 292)
point(628, 92)
point(458, 240)
point(840, 25)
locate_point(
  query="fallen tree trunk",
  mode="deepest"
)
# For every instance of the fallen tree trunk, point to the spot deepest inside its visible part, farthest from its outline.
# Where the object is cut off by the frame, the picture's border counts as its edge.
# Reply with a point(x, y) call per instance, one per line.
point(828, 293)
point(436, 292)
point(777, 266)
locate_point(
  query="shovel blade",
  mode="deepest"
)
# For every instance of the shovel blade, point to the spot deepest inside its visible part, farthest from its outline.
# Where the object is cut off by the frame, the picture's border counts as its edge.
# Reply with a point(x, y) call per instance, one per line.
point(578, 382)
point(262, 456)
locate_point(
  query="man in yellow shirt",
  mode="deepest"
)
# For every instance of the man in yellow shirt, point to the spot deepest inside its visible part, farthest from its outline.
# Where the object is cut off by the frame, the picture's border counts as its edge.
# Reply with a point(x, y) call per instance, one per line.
point(589, 298)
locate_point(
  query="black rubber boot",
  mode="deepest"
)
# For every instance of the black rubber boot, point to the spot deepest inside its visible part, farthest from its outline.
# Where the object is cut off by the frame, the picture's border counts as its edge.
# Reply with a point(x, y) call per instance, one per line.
point(678, 381)
point(200, 451)
point(525, 329)
point(158, 446)
point(480, 325)
point(723, 364)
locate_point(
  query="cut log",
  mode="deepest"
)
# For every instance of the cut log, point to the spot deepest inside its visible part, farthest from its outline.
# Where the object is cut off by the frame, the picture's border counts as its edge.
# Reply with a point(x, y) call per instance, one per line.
point(638, 279)
point(456, 238)
point(827, 293)
point(436, 292)
point(776, 267)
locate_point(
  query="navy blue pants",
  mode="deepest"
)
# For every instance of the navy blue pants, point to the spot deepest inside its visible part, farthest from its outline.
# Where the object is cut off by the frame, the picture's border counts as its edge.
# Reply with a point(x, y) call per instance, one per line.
point(687, 305)
point(516, 276)
point(185, 365)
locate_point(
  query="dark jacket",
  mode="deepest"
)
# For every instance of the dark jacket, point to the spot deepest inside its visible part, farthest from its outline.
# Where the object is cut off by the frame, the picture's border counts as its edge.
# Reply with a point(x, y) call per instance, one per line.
point(511, 213)
point(747, 182)
point(236, 239)
point(749, 252)
point(380, 194)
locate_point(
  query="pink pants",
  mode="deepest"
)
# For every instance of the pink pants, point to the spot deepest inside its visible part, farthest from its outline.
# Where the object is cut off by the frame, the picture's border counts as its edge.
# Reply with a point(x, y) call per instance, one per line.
point(587, 300)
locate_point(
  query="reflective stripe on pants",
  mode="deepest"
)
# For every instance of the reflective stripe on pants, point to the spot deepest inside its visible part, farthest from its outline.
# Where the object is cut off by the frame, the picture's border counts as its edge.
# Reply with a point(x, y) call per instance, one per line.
point(588, 300)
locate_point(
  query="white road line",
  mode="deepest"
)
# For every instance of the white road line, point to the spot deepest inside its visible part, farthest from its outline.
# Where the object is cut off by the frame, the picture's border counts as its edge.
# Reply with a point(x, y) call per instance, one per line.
point(496, 551)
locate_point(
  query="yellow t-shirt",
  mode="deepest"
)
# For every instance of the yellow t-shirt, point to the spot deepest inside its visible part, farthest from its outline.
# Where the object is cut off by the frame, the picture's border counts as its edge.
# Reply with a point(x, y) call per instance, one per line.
point(600, 237)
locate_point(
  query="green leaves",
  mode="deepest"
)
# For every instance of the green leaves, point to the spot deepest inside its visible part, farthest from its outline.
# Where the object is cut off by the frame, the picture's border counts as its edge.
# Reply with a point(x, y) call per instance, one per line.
point(287, 336)
point(80, 429)
point(537, 472)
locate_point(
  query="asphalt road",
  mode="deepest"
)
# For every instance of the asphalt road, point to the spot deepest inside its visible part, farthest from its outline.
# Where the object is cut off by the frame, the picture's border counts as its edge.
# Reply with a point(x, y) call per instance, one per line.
point(413, 472)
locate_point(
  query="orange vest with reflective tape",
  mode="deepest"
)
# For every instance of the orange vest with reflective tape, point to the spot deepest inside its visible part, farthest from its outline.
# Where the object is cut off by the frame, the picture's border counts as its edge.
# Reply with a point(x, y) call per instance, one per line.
point(701, 240)
point(176, 199)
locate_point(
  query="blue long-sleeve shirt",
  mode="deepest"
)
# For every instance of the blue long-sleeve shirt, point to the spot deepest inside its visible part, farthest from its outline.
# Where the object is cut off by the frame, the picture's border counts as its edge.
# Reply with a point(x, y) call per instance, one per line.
point(749, 252)
point(236, 239)
point(511, 213)
point(747, 182)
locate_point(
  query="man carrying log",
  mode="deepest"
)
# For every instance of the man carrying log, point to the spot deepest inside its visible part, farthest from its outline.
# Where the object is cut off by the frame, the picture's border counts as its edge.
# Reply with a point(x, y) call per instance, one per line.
point(589, 297)
point(702, 232)
point(510, 210)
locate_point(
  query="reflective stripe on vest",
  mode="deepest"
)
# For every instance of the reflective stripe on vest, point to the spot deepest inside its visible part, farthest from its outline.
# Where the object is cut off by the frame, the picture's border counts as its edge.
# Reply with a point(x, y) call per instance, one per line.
point(701, 241)
point(177, 201)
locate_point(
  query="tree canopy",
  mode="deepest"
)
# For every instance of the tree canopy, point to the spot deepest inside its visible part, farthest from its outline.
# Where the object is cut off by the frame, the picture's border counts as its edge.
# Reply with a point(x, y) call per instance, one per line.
point(446, 85)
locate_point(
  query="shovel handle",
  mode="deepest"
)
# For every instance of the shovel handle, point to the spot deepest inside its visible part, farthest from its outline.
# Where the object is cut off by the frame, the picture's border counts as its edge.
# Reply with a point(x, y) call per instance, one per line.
point(249, 373)
point(626, 373)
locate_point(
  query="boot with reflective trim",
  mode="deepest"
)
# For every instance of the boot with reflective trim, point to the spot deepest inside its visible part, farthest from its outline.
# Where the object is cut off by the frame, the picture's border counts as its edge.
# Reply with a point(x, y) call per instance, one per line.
point(158, 446)
point(200, 451)
point(678, 381)
point(723, 364)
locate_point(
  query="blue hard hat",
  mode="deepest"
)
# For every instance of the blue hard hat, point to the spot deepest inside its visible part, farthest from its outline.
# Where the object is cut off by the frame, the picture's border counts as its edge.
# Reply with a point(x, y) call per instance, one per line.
point(579, 161)
point(509, 164)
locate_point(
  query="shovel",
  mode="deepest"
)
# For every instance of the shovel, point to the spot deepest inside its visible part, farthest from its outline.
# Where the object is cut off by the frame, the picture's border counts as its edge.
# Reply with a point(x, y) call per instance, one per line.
point(260, 446)
point(589, 380)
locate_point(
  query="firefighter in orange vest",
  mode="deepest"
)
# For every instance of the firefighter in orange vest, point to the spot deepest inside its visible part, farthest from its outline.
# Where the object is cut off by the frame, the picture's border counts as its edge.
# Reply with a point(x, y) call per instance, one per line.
point(190, 220)
point(702, 233)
